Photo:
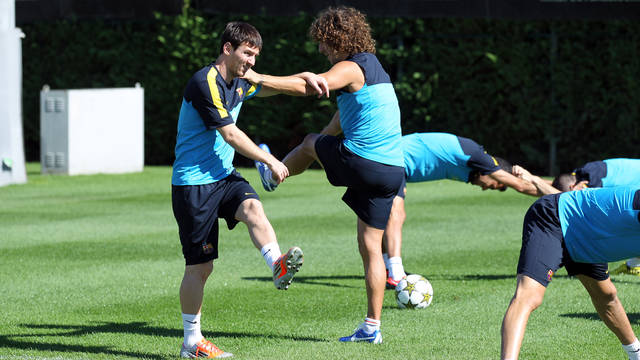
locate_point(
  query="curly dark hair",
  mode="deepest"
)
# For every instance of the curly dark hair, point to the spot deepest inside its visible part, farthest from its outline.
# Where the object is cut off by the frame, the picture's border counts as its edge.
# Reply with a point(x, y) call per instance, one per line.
point(343, 29)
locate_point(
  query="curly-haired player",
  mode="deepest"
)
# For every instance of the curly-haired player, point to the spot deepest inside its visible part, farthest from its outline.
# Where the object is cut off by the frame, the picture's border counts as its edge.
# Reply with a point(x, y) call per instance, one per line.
point(368, 160)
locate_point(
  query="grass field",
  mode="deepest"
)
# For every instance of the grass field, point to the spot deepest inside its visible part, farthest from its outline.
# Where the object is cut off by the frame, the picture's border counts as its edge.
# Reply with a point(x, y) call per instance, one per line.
point(90, 268)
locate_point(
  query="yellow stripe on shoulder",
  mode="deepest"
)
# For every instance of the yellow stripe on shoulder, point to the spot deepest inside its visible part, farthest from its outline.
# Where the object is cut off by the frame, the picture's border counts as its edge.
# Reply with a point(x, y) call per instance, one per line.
point(251, 90)
point(215, 94)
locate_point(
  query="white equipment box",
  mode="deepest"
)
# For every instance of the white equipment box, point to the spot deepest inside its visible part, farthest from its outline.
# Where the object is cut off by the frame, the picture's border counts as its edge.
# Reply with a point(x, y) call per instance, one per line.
point(90, 131)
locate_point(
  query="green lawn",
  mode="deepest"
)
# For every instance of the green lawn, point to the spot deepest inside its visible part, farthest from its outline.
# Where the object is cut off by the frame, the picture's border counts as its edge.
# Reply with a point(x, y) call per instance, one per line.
point(90, 268)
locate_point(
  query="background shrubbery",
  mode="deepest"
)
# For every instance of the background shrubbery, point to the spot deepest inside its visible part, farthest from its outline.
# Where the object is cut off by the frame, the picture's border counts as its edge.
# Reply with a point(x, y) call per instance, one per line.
point(523, 89)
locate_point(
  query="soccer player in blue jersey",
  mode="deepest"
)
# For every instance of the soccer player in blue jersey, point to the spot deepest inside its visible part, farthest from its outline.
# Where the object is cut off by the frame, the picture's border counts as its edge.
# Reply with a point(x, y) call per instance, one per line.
point(605, 173)
point(438, 156)
point(368, 161)
point(582, 231)
point(205, 185)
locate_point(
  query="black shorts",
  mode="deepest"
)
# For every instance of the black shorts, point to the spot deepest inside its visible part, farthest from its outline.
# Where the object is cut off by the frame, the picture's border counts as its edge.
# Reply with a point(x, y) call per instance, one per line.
point(543, 250)
point(197, 209)
point(371, 186)
point(403, 188)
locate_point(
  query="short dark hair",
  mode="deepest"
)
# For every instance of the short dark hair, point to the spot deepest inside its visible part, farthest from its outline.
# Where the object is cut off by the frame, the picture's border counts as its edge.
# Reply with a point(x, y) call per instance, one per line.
point(502, 163)
point(564, 181)
point(238, 32)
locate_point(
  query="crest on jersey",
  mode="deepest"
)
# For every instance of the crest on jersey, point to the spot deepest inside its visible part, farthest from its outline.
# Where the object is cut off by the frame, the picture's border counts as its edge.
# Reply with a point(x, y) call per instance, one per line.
point(240, 92)
point(207, 248)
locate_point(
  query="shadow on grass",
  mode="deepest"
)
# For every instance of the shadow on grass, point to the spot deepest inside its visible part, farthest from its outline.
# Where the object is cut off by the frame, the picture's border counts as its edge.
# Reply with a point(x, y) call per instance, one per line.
point(634, 318)
point(471, 277)
point(21, 341)
point(329, 280)
point(482, 277)
point(314, 280)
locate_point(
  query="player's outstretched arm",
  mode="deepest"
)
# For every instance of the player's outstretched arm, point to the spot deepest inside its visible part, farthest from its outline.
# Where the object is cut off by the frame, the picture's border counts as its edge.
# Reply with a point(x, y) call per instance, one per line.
point(243, 144)
point(519, 185)
point(344, 74)
point(302, 84)
point(543, 187)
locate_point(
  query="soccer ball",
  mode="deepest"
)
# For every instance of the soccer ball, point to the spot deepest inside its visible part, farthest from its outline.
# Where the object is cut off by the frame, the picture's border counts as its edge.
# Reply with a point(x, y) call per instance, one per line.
point(414, 292)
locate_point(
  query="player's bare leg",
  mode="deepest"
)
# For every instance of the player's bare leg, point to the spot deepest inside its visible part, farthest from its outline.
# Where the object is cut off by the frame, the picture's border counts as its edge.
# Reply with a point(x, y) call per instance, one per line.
point(370, 246)
point(392, 243)
point(191, 294)
point(284, 267)
point(528, 296)
point(302, 156)
point(604, 297)
point(297, 161)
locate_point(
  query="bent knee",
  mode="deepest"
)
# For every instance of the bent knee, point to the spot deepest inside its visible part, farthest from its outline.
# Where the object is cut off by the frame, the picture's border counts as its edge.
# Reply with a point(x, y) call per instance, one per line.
point(309, 144)
point(201, 271)
point(250, 211)
point(528, 300)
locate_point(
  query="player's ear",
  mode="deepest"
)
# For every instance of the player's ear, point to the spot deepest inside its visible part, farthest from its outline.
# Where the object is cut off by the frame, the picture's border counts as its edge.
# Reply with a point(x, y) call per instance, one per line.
point(227, 48)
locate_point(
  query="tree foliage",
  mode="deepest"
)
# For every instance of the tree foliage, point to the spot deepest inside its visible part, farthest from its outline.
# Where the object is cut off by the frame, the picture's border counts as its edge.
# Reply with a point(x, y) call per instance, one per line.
point(523, 89)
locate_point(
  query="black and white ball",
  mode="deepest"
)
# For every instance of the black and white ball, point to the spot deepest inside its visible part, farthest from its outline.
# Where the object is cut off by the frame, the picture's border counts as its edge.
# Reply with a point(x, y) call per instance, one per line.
point(414, 292)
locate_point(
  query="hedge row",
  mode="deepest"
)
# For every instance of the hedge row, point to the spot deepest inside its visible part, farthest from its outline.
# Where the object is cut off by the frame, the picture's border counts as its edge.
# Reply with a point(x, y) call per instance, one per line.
point(525, 90)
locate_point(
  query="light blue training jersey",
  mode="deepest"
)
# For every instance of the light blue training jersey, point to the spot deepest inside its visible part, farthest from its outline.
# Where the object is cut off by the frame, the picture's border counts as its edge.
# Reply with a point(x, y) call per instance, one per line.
point(601, 225)
point(622, 172)
point(370, 117)
point(437, 156)
point(202, 155)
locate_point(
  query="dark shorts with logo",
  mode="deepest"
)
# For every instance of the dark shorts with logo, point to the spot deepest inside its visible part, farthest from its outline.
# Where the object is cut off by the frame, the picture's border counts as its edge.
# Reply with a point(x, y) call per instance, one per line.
point(371, 186)
point(543, 251)
point(197, 209)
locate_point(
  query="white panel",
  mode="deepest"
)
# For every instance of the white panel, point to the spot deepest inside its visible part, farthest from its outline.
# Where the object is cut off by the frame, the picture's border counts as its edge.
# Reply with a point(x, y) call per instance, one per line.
point(106, 130)
point(7, 15)
point(12, 166)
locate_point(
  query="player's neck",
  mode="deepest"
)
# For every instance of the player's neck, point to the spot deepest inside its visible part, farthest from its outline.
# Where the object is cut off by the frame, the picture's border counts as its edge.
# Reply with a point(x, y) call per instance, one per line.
point(221, 66)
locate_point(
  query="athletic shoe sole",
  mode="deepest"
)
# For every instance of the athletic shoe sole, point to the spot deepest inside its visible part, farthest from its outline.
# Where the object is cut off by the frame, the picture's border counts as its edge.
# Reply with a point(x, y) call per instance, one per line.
point(262, 170)
point(286, 267)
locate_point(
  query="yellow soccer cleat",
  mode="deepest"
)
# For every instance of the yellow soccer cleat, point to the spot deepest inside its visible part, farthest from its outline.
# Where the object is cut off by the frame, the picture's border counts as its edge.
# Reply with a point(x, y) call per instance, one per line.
point(626, 269)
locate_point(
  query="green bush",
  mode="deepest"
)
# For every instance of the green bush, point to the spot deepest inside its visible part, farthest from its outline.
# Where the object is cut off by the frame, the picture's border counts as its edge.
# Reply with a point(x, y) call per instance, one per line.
point(523, 89)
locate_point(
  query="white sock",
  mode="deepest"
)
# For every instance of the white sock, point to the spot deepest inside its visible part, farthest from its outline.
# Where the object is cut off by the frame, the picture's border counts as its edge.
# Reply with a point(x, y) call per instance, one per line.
point(633, 350)
point(396, 270)
point(385, 257)
point(271, 253)
point(370, 325)
point(192, 334)
point(633, 262)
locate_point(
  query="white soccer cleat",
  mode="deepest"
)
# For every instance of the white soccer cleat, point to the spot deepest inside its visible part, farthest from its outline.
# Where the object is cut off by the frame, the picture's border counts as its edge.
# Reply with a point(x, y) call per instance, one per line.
point(263, 170)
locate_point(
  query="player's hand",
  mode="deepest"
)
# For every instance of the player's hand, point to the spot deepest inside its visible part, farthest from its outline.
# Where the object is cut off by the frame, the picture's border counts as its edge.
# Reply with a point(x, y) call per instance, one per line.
point(279, 171)
point(522, 173)
point(317, 83)
point(580, 185)
point(252, 76)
